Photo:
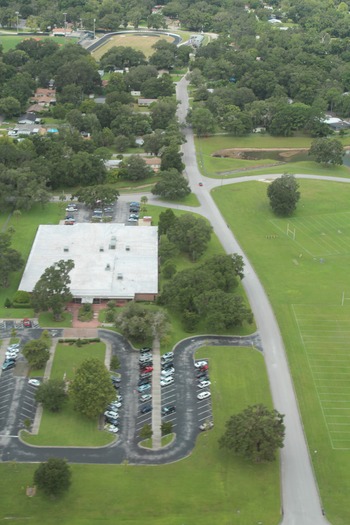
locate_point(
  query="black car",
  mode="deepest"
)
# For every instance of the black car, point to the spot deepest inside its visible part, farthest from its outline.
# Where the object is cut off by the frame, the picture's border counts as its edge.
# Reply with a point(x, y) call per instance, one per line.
point(168, 410)
point(144, 381)
point(168, 365)
point(145, 375)
point(203, 376)
point(145, 350)
point(144, 364)
point(145, 409)
point(112, 420)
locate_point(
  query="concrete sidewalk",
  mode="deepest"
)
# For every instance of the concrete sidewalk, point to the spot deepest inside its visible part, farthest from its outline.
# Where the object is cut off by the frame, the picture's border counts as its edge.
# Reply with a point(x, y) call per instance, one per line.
point(156, 398)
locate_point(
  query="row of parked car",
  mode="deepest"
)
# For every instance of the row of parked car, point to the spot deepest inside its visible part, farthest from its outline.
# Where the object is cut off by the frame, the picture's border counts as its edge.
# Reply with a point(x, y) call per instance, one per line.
point(134, 210)
point(111, 413)
point(11, 356)
point(144, 385)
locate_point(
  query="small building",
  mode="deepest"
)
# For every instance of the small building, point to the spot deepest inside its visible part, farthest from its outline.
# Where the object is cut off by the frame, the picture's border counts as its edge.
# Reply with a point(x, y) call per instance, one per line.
point(44, 97)
point(112, 163)
point(153, 162)
point(196, 40)
point(336, 124)
point(135, 93)
point(146, 102)
point(27, 118)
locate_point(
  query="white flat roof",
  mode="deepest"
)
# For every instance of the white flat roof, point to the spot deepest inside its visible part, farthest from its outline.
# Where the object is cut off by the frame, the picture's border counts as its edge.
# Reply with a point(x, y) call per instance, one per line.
point(100, 271)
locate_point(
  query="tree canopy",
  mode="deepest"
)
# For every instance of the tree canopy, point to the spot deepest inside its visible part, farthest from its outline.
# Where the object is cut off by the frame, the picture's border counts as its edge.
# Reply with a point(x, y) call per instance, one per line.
point(284, 195)
point(52, 394)
point(256, 433)
point(191, 235)
point(52, 291)
point(172, 185)
point(327, 151)
point(53, 477)
point(10, 259)
point(91, 389)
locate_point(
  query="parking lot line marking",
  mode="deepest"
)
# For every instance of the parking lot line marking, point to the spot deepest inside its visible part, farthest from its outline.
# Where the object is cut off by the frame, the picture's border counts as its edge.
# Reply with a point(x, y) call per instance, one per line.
point(9, 435)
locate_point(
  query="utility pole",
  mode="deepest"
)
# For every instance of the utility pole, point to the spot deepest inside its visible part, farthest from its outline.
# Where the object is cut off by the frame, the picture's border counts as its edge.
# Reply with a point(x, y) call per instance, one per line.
point(65, 24)
point(17, 22)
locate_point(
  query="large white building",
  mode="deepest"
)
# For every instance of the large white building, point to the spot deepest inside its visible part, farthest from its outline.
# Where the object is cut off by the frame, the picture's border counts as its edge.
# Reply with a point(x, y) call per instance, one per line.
point(112, 261)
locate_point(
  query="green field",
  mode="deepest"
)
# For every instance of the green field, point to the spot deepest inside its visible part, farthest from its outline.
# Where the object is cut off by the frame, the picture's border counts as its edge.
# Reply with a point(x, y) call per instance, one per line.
point(209, 487)
point(10, 42)
point(69, 428)
point(305, 279)
point(140, 42)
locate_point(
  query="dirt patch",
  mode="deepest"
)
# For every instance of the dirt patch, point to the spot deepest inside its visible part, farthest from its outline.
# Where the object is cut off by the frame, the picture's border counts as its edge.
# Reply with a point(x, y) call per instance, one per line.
point(238, 153)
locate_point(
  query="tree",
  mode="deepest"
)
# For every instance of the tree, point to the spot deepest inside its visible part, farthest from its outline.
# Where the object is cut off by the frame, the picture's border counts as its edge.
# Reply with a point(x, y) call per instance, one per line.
point(172, 185)
point(52, 394)
point(327, 151)
point(163, 113)
point(154, 142)
point(135, 321)
point(135, 168)
point(283, 194)
point(190, 234)
point(202, 121)
point(37, 353)
point(171, 158)
point(53, 477)
point(52, 290)
point(10, 259)
point(222, 310)
point(256, 433)
point(101, 195)
point(165, 220)
point(91, 388)
point(146, 431)
point(166, 428)
point(10, 107)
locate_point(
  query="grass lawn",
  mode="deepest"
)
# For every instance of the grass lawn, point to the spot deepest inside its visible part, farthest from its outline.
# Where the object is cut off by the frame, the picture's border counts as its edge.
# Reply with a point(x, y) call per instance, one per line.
point(216, 167)
point(46, 320)
point(305, 279)
point(139, 42)
point(68, 428)
point(209, 487)
point(10, 41)
point(25, 230)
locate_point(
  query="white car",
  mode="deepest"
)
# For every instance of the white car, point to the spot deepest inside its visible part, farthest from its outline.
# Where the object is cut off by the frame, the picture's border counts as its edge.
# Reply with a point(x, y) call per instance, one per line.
point(199, 364)
point(114, 406)
point(203, 395)
point(111, 428)
point(112, 414)
point(34, 382)
point(204, 384)
point(145, 357)
point(167, 381)
point(145, 397)
point(11, 355)
point(168, 355)
point(14, 346)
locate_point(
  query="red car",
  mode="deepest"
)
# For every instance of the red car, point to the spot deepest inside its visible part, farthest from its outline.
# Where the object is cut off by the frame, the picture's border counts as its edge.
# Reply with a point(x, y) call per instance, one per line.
point(204, 368)
point(147, 369)
point(200, 184)
point(27, 323)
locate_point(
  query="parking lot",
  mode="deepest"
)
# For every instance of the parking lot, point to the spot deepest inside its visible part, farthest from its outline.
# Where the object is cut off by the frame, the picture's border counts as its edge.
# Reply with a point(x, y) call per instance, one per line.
point(119, 212)
point(17, 403)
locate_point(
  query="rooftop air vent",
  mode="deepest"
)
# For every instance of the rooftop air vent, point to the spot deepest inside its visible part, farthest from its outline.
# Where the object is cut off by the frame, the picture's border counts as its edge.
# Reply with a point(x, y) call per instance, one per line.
point(113, 243)
point(102, 249)
point(66, 249)
point(127, 248)
point(108, 267)
point(120, 276)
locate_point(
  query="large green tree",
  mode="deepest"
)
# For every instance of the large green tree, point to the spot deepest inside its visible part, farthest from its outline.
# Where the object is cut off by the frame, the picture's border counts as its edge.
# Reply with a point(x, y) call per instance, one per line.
point(135, 321)
point(52, 291)
point(191, 235)
point(10, 259)
point(135, 168)
point(256, 433)
point(37, 353)
point(91, 389)
point(53, 477)
point(52, 394)
point(327, 151)
point(284, 195)
point(101, 195)
point(172, 185)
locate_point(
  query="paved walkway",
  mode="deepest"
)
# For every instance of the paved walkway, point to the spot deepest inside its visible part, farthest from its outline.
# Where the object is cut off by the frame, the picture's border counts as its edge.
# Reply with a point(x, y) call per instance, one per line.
point(156, 398)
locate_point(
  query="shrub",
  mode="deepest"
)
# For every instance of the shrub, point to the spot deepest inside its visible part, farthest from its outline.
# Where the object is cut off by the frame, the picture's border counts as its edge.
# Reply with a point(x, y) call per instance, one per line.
point(21, 297)
point(169, 270)
point(7, 303)
point(110, 316)
point(85, 312)
point(115, 363)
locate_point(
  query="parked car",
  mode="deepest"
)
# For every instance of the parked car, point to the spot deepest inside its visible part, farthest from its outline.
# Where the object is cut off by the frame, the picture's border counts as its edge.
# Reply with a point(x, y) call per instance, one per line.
point(204, 384)
point(112, 414)
point(202, 376)
point(168, 355)
point(166, 381)
point(112, 421)
point(204, 368)
point(145, 409)
point(11, 355)
point(206, 426)
point(8, 364)
point(144, 381)
point(144, 388)
point(145, 350)
point(145, 357)
point(146, 370)
point(200, 364)
point(168, 410)
point(116, 379)
point(114, 406)
point(166, 366)
point(132, 219)
point(34, 382)
point(133, 216)
point(14, 346)
point(167, 373)
point(27, 323)
point(203, 395)
point(145, 397)
point(111, 428)
point(145, 375)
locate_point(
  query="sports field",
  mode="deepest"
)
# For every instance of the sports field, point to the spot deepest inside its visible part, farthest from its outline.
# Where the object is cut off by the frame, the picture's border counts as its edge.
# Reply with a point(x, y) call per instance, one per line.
point(321, 235)
point(325, 335)
point(140, 42)
point(10, 41)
